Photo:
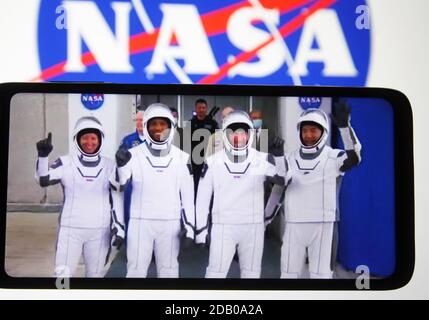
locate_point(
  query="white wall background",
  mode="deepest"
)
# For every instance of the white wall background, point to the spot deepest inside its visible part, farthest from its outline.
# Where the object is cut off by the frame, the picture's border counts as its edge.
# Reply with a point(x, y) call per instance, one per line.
point(400, 48)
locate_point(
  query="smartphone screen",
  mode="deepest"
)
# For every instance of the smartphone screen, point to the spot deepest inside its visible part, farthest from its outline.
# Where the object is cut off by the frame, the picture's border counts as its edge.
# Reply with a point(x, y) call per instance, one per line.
point(336, 215)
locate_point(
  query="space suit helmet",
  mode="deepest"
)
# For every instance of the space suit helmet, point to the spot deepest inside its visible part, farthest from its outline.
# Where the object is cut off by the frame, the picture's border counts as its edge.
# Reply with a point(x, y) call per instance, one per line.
point(88, 124)
point(159, 110)
point(316, 117)
point(237, 120)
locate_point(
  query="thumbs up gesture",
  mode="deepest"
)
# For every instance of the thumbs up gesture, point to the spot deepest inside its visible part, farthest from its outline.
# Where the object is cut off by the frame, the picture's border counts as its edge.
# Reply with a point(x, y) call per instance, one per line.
point(44, 146)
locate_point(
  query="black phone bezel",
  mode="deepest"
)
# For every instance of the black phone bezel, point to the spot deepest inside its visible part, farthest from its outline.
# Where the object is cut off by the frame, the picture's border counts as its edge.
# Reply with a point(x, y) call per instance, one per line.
point(404, 185)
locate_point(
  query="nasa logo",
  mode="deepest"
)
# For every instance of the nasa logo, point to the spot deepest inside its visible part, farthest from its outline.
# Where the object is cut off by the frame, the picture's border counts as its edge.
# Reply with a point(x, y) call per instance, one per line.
point(310, 102)
point(92, 101)
point(300, 42)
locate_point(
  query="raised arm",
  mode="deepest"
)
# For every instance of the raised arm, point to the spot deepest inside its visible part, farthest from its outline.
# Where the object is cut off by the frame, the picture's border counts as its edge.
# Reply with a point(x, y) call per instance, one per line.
point(47, 175)
point(352, 155)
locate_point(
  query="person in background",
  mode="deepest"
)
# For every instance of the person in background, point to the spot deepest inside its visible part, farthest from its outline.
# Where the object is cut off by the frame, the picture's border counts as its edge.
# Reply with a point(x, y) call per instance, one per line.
point(265, 140)
point(178, 136)
point(202, 126)
point(137, 137)
point(215, 143)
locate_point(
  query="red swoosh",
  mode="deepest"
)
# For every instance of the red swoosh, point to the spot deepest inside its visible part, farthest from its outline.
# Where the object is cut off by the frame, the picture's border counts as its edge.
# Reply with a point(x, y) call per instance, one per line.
point(286, 30)
point(213, 22)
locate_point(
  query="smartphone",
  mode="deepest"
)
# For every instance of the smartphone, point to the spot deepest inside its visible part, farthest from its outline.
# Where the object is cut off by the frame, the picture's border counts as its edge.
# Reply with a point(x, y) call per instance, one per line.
point(361, 190)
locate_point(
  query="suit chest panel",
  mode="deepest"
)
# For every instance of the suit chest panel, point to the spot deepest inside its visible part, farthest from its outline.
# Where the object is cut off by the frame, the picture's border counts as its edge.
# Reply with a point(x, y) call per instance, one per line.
point(311, 172)
point(86, 179)
point(155, 172)
point(238, 177)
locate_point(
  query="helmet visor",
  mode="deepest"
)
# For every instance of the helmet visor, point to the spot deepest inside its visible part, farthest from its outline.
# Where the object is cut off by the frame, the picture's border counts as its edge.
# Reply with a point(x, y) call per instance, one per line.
point(89, 140)
point(238, 135)
point(159, 129)
point(310, 133)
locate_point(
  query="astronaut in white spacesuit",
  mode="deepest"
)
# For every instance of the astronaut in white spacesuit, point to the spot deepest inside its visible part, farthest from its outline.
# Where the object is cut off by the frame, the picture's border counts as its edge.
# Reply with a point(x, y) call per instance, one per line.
point(311, 199)
point(92, 216)
point(235, 177)
point(162, 201)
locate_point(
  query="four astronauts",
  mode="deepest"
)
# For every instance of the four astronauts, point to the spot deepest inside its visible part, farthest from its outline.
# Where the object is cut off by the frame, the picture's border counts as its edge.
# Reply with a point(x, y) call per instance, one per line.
point(227, 214)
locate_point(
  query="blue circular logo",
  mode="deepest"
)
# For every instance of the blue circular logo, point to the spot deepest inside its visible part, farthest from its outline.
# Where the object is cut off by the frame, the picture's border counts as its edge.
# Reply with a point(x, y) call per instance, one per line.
point(284, 43)
point(92, 101)
point(310, 102)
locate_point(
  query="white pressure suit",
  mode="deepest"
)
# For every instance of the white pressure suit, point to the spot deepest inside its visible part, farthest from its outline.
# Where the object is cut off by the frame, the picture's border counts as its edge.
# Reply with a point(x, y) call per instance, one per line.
point(235, 178)
point(311, 199)
point(92, 206)
point(162, 201)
